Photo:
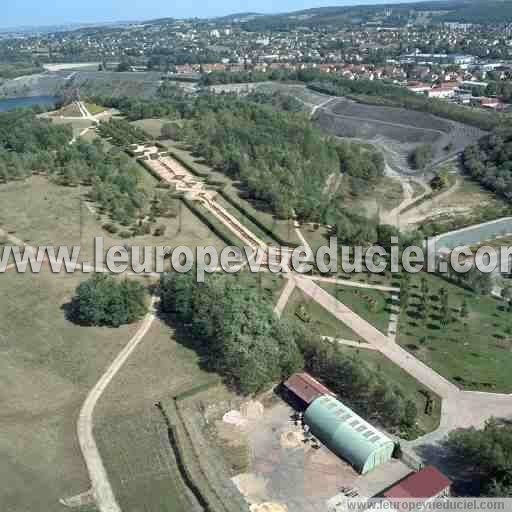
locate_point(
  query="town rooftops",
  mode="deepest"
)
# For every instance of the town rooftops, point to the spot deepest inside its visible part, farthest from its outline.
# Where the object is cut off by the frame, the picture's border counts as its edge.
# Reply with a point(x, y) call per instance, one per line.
point(427, 483)
point(305, 387)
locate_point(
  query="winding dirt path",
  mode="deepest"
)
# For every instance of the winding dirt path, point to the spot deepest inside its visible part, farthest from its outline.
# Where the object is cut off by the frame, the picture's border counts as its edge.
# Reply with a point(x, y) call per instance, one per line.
point(424, 209)
point(101, 488)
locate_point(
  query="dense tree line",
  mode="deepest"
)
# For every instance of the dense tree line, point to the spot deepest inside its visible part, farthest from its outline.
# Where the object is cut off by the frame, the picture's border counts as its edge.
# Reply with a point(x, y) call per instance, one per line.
point(227, 77)
point(105, 301)
point(490, 162)
point(421, 156)
point(171, 102)
point(29, 144)
point(242, 339)
point(279, 156)
point(374, 92)
point(368, 392)
point(16, 69)
point(282, 160)
point(488, 453)
point(502, 89)
point(121, 133)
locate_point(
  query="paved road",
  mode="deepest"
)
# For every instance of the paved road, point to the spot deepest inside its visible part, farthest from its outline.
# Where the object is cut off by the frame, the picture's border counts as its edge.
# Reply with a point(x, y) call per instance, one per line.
point(101, 488)
point(460, 409)
point(354, 284)
point(284, 297)
point(373, 336)
point(350, 343)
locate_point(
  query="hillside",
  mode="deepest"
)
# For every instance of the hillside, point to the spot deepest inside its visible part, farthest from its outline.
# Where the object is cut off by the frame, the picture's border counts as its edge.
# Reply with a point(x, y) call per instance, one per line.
point(469, 11)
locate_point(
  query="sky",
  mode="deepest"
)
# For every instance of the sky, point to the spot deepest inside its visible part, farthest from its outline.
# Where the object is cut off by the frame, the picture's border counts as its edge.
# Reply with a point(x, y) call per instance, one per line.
point(17, 13)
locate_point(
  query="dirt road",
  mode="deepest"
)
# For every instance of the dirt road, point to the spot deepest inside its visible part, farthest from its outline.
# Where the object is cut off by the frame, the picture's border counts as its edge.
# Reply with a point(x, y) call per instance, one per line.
point(101, 488)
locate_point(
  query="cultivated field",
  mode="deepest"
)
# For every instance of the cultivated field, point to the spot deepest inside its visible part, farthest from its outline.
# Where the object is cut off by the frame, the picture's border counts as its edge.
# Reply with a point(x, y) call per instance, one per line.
point(47, 367)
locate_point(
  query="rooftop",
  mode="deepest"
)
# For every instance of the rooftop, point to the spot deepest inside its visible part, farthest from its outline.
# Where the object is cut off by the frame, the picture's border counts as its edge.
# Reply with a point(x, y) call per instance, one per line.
point(306, 387)
point(426, 483)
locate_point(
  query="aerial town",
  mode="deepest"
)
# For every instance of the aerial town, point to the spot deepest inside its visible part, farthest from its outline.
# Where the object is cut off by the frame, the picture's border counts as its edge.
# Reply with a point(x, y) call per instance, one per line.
point(257, 262)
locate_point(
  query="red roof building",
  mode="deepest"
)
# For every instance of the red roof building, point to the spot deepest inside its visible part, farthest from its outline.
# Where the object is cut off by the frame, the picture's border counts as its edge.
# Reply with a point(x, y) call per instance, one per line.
point(306, 388)
point(426, 484)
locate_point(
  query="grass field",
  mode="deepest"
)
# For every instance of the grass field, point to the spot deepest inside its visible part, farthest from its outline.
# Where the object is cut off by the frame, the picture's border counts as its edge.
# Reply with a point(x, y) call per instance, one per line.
point(42, 213)
point(474, 352)
point(152, 127)
point(47, 367)
point(372, 305)
point(385, 195)
point(271, 285)
point(69, 110)
point(94, 109)
point(131, 431)
point(78, 125)
point(410, 387)
point(317, 318)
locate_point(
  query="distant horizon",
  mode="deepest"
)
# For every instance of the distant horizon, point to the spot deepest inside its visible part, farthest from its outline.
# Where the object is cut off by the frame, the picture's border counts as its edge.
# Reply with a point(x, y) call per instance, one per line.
point(102, 12)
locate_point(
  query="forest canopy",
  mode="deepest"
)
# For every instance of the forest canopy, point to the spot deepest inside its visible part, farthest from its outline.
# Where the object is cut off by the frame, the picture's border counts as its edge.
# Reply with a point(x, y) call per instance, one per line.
point(30, 144)
point(240, 337)
point(490, 162)
point(279, 156)
point(104, 301)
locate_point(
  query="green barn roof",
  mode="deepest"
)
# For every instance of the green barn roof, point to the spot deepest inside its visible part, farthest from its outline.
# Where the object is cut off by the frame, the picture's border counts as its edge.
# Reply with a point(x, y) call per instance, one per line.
point(347, 434)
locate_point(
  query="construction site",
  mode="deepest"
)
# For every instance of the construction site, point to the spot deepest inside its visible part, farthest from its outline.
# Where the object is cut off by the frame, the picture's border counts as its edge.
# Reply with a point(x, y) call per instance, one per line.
point(304, 456)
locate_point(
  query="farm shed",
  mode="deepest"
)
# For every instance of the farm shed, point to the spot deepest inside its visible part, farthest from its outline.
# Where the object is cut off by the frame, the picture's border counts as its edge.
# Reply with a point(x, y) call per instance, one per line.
point(305, 388)
point(427, 484)
point(347, 434)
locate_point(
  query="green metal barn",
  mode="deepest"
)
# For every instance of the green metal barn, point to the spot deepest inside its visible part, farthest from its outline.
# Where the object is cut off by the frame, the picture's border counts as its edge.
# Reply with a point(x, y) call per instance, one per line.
point(347, 434)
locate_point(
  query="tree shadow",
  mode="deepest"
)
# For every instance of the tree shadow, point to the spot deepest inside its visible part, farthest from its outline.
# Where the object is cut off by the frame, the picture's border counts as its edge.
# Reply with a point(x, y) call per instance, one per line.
point(185, 338)
point(70, 310)
point(466, 480)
